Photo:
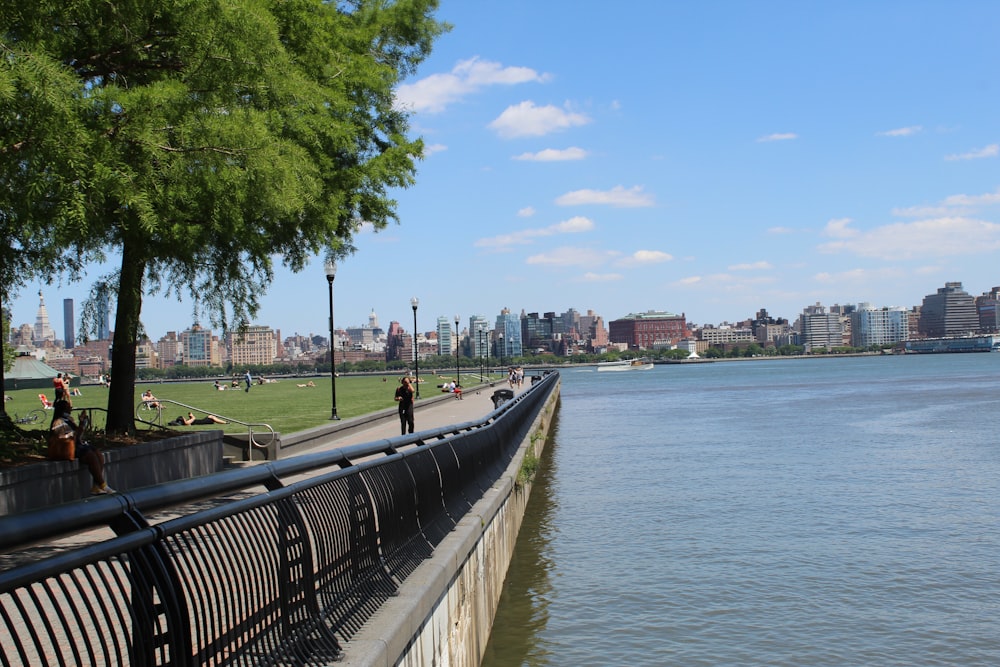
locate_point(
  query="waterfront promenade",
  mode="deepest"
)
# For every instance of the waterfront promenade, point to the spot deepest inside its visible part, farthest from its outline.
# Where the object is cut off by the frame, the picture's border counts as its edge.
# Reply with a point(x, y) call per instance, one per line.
point(434, 409)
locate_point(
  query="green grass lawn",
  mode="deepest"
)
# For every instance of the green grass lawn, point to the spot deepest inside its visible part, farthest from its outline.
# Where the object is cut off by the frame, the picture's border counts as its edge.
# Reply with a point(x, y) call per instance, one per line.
point(283, 405)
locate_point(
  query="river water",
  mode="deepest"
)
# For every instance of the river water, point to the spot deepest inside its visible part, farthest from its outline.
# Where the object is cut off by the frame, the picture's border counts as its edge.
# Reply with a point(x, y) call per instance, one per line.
point(769, 512)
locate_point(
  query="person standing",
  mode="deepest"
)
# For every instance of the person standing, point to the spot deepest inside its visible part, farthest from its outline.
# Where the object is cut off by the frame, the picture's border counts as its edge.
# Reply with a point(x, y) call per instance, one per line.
point(60, 387)
point(248, 379)
point(404, 396)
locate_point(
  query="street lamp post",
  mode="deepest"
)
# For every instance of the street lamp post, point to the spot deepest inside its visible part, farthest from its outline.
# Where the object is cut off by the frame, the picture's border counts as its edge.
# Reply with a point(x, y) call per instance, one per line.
point(331, 273)
point(414, 302)
point(458, 374)
point(486, 336)
point(501, 354)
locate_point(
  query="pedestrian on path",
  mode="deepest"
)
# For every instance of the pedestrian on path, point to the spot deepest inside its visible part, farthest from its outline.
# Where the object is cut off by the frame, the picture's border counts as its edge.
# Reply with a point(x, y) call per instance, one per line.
point(404, 396)
point(248, 379)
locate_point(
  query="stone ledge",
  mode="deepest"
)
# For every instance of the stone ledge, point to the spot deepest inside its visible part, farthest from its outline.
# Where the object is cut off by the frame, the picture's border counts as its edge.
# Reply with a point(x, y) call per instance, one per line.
point(54, 482)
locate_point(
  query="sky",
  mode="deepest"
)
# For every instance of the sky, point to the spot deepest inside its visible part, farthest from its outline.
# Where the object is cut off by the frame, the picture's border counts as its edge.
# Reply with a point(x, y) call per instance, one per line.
point(704, 158)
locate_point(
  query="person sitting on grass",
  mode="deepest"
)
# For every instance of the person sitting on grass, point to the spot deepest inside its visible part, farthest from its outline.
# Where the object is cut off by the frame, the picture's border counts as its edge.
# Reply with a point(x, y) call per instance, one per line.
point(191, 421)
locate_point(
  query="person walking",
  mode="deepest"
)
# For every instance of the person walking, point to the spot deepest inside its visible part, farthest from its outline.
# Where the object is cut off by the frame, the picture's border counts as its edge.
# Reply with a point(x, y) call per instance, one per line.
point(404, 397)
point(248, 379)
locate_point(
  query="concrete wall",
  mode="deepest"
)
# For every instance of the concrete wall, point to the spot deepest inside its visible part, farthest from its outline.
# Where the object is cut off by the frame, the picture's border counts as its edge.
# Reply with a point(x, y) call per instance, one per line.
point(53, 482)
point(444, 612)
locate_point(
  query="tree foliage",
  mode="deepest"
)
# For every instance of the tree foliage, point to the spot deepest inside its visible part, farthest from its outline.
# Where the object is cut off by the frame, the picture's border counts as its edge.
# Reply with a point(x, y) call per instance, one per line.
point(219, 137)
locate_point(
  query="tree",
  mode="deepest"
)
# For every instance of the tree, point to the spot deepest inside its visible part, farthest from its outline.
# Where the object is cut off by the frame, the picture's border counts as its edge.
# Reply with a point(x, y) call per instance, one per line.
point(42, 147)
point(223, 135)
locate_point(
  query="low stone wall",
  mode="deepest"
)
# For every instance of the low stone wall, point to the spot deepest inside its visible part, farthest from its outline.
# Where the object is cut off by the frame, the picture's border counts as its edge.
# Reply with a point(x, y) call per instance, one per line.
point(444, 612)
point(53, 482)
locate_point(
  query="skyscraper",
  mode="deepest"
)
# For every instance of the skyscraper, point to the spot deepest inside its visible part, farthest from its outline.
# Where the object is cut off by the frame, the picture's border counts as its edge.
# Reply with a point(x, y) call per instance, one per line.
point(69, 335)
point(43, 330)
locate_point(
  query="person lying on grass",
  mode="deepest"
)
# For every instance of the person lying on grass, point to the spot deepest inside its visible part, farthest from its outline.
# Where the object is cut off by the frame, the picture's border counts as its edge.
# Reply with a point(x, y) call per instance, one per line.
point(190, 420)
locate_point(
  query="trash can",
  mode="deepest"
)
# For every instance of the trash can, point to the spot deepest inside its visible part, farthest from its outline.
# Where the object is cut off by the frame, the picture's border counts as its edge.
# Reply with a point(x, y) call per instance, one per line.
point(501, 396)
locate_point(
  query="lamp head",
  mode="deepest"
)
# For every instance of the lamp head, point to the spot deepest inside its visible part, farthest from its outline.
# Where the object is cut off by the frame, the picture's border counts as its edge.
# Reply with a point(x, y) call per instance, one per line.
point(331, 269)
point(414, 302)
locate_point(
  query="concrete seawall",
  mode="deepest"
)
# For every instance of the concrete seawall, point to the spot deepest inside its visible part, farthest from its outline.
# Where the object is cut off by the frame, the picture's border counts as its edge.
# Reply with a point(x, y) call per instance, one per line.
point(444, 612)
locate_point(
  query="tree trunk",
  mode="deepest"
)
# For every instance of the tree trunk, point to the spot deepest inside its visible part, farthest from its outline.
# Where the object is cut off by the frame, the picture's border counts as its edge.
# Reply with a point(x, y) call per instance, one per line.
point(121, 411)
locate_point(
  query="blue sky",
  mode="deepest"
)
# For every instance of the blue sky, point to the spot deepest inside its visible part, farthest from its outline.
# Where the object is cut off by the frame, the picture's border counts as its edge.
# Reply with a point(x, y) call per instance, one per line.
point(708, 158)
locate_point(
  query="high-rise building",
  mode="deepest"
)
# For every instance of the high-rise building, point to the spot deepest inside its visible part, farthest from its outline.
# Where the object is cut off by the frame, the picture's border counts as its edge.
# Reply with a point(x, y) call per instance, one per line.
point(199, 347)
point(879, 326)
point(988, 307)
point(69, 333)
point(252, 346)
point(949, 312)
point(43, 330)
point(820, 329)
point(446, 341)
point(508, 335)
point(479, 336)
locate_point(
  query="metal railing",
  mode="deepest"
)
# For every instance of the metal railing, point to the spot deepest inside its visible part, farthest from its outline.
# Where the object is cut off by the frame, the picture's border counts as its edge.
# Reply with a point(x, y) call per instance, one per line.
point(155, 406)
point(282, 576)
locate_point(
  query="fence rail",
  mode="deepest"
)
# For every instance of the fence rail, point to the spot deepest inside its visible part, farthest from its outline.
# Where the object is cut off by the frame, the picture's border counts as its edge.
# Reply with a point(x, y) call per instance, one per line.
point(279, 577)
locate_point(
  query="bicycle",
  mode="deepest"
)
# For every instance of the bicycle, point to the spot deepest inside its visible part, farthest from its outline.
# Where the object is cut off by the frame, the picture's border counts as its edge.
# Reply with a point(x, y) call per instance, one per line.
point(32, 417)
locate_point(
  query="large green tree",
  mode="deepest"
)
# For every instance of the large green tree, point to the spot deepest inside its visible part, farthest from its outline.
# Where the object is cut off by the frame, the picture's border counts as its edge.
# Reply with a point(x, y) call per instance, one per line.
point(223, 136)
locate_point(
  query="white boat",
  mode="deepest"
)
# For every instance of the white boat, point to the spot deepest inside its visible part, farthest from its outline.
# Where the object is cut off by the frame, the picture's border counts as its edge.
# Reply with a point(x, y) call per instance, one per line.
point(625, 365)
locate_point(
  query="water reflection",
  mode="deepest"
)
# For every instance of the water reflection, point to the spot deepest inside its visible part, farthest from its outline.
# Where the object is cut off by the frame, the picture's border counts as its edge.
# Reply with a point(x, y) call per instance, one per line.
point(523, 611)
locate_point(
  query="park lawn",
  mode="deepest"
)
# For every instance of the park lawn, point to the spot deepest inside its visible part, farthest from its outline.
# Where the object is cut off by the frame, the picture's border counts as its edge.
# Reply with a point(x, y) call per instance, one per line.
point(281, 404)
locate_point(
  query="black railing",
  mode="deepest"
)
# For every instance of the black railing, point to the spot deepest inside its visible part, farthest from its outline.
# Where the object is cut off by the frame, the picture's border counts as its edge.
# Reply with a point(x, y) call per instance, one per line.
point(281, 576)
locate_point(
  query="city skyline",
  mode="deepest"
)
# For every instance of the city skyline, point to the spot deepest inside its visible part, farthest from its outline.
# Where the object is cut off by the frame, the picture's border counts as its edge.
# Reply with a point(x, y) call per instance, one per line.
point(673, 157)
point(493, 319)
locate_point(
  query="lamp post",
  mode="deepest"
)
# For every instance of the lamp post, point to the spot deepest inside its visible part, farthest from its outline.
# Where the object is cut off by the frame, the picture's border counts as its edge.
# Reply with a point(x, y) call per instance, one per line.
point(501, 354)
point(458, 375)
point(486, 336)
point(416, 351)
point(331, 273)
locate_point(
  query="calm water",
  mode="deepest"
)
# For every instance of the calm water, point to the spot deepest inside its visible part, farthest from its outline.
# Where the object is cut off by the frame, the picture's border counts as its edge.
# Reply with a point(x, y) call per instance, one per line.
point(790, 512)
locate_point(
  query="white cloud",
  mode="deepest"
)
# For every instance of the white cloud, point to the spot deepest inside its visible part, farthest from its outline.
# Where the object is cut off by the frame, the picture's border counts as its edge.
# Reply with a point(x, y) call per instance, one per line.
point(553, 155)
point(987, 199)
point(643, 257)
point(901, 131)
point(992, 150)
point(526, 212)
point(574, 225)
point(780, 230)
point(954, 205)
point(434, 93)
point(568, 256)
point(938, 237)
point(838, 229)
point(591, 277)
point(752, 266)
point(778, 136)
point(617, 196)
point(690, 280)
point(431, 149)
point(527, 120)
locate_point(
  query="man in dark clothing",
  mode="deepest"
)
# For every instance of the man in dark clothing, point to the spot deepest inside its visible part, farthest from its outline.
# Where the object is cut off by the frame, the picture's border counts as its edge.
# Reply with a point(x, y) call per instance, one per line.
point(404, 396)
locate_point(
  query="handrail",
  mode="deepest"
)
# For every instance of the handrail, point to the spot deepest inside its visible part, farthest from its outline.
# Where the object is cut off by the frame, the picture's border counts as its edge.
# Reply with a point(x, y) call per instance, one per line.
point(249, 425)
